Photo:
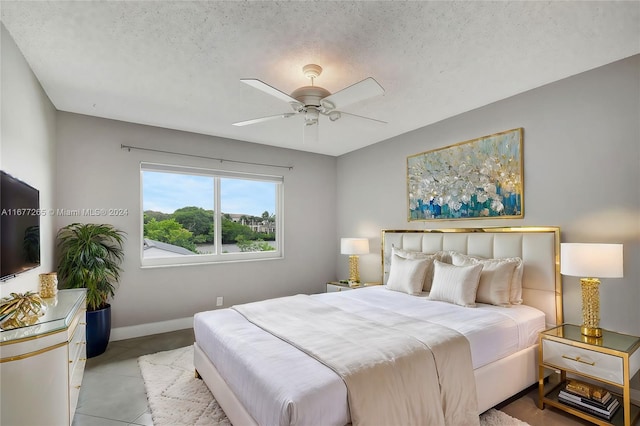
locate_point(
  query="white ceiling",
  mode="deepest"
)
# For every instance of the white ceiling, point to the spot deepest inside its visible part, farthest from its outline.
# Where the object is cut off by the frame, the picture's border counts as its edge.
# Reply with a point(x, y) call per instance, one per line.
point(177, 64)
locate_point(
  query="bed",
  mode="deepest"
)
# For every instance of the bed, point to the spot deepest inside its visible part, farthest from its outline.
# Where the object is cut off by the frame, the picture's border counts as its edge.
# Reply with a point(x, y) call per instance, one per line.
point(259, 378)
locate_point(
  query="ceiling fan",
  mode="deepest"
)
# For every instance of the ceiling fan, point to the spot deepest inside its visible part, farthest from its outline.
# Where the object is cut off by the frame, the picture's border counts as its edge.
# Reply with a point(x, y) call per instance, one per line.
point(312, 102)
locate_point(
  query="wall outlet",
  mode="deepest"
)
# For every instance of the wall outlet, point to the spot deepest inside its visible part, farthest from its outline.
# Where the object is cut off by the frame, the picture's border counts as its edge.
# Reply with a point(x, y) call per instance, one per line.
point(219, 301)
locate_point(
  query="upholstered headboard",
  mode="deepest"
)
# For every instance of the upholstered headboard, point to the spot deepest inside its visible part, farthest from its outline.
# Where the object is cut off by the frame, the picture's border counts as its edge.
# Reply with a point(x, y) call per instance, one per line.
point(539, 248)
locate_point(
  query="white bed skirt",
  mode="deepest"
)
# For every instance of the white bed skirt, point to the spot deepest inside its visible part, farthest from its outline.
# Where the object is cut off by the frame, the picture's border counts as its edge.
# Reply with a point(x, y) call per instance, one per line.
point(491, 387)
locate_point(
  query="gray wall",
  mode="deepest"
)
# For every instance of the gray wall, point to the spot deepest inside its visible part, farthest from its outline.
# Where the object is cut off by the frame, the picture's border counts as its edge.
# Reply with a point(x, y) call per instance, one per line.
point(93, 172)
point(27, 148)
point(582, 173)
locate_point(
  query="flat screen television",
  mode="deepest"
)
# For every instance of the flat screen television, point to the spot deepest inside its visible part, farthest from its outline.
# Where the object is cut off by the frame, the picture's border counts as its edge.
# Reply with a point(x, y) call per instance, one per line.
point(19, 227)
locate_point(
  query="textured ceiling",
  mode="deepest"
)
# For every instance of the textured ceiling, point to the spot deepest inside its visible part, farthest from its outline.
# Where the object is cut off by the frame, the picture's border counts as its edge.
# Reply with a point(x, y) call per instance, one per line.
point(178, 64)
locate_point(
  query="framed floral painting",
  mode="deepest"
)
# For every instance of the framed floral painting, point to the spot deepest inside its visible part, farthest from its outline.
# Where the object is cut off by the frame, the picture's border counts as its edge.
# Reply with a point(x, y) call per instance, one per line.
point(477, 179)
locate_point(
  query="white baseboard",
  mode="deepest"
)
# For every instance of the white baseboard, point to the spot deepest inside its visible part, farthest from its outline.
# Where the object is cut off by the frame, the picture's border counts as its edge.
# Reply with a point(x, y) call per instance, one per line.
point(129, 332)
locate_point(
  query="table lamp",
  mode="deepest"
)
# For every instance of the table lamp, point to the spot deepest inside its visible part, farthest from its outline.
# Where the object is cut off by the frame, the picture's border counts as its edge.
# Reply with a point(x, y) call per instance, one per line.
point(590, 261)
point(354, 247)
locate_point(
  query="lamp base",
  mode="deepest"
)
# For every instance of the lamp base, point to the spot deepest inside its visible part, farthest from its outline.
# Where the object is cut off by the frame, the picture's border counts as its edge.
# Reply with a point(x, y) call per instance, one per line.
point(591, 331)
point(590, 307)
point(354, 273)
point(596, 341)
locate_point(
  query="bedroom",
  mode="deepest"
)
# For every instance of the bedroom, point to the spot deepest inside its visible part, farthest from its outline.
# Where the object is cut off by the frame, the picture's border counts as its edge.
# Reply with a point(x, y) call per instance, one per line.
point(581, 141)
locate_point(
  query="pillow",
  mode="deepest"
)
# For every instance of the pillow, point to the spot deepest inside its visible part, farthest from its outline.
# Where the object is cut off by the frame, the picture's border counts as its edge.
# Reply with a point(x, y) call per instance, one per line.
point(495, 280)
point(455, 284)
point(514, 283)
point(406, 254)
point(445, 256)
point(407, 275)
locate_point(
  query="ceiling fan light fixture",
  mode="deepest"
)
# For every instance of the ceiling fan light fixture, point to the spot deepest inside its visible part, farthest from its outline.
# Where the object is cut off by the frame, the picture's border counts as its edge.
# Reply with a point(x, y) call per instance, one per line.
point(311, 116)
point(327, 106)
point(334, 115)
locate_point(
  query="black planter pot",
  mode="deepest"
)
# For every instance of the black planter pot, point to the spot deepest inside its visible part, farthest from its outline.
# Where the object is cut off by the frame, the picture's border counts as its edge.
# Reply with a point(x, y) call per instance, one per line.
point(98, 331)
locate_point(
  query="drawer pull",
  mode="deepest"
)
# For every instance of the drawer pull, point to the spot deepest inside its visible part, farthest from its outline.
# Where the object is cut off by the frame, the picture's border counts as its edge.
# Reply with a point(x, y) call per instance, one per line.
point(82, 359)
point(77, 387)
point(592, 363)
point(83, 323)
point(81, 343)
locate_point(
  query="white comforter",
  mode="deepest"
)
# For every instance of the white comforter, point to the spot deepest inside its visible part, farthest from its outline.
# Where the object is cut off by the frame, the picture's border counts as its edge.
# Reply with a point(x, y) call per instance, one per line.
point(280, 385)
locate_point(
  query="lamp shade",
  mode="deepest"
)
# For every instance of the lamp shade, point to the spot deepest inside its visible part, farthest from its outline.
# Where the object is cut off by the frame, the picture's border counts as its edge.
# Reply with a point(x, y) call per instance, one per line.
point(591, 260)
point(354, 246)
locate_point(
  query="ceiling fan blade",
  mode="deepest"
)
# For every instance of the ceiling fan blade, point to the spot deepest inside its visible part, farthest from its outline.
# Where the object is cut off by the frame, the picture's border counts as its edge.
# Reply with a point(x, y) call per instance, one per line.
point(260, 85)
point(365, 89)
point(263, 119)
point(363, 117)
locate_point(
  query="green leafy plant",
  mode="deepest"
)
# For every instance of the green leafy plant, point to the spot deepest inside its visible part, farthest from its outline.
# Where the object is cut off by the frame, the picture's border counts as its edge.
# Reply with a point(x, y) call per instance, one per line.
point(90, 257)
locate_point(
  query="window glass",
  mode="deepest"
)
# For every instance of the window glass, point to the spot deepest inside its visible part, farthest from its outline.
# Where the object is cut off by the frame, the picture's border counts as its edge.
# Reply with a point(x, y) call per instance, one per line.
point(196, 215)
point(254, 229)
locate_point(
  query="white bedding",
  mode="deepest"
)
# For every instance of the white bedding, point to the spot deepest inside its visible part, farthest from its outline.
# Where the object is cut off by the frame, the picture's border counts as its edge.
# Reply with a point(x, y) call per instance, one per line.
point(280, 385)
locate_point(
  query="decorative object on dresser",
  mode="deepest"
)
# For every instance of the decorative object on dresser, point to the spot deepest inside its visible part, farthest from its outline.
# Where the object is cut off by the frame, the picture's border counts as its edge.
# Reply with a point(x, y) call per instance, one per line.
point(480, 178)
point(354, 247)
point(610, 360)
point(20, 310)
point(90, 257)
point(591, 261)
point(41, 365)
point(48, 285)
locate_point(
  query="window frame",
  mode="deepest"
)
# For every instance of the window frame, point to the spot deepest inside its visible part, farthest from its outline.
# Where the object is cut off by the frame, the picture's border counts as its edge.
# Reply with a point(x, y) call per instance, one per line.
point(218, 256)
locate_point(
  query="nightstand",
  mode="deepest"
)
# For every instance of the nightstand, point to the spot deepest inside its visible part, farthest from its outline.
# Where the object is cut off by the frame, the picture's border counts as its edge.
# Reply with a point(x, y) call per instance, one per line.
point(610, 360)
point(338, 286)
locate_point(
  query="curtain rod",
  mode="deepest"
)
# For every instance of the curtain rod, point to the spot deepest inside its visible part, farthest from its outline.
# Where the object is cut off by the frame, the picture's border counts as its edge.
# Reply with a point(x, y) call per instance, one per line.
point(222, 160)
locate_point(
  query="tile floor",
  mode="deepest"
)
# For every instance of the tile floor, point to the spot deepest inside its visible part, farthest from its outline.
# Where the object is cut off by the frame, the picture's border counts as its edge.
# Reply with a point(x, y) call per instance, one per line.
point(113, 391)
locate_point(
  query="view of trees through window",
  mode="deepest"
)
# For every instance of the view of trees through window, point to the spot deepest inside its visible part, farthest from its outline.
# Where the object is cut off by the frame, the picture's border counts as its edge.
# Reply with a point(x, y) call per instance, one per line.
point(192, 228)
point(179, 214)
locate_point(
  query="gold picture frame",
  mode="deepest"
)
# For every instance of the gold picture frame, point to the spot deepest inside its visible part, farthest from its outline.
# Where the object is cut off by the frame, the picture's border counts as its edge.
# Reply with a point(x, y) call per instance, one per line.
point(482, 178)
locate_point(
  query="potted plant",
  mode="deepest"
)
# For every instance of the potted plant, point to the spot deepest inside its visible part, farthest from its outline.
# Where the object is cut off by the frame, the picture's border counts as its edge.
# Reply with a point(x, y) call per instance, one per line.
point(90, 257)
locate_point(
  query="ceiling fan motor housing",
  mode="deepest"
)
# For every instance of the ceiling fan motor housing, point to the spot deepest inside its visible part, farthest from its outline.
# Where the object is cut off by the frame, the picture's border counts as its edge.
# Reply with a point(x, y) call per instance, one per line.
point(310, 95)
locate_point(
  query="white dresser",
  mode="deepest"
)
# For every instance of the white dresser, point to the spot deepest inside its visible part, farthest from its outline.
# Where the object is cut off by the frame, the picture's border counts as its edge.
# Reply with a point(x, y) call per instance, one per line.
point(41, 366)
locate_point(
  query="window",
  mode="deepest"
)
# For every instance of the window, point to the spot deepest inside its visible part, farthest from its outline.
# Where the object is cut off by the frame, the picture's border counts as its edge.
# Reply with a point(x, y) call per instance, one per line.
point(192, 215)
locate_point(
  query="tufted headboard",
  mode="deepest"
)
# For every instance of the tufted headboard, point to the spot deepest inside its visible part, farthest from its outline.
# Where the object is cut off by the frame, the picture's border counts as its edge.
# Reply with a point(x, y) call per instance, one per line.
point(538, 247)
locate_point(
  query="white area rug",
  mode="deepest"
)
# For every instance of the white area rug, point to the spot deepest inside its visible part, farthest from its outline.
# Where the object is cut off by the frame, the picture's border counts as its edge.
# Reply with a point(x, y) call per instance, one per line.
point(176, 397)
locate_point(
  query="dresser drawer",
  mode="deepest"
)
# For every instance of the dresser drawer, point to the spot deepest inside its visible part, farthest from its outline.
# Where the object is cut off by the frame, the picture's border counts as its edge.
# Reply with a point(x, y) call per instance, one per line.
point(77, 354)
point(579, 360)
point(77, 359)
point(75, 382)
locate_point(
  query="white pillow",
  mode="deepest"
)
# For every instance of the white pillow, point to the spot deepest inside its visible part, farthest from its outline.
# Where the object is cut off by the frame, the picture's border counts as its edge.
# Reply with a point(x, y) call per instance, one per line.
point(495, 280)
point(406, 254)
point(407, 275)
point(445, 256)
point(455, 284)
point(516, 282)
